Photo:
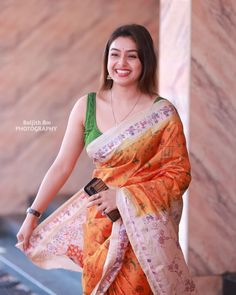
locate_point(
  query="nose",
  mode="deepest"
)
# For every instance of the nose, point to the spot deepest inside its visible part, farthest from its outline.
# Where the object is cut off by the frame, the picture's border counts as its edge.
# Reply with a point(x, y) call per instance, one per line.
point(122, 60)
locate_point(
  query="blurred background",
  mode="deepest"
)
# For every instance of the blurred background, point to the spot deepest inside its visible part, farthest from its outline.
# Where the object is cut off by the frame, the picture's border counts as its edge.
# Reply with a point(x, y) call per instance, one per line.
point(51, 54)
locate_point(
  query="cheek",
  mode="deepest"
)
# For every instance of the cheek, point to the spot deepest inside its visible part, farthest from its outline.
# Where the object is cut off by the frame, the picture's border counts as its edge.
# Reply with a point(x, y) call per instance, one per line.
point(109, 64)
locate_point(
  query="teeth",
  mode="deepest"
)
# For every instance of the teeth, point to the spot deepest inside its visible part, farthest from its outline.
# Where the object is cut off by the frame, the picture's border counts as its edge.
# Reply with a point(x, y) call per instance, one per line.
point(122, 71)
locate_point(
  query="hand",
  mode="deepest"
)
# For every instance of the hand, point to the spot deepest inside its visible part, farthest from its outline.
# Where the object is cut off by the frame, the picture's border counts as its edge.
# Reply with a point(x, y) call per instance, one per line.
point(24, 233)
point(105, 201)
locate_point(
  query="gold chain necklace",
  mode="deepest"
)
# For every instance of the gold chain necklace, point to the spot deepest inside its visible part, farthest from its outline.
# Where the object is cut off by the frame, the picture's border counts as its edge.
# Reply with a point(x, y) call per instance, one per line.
point(113, 113)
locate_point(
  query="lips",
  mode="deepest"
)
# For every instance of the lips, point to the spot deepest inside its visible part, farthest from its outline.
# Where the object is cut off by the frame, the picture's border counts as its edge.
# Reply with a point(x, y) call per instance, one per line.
point(122, 72)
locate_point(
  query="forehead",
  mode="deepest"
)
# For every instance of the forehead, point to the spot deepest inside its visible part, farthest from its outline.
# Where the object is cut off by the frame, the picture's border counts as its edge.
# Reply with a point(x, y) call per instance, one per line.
point(123, 43)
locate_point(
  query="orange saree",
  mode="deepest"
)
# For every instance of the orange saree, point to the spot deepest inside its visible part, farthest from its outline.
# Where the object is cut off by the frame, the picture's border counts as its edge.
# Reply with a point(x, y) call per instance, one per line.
point(145, 160)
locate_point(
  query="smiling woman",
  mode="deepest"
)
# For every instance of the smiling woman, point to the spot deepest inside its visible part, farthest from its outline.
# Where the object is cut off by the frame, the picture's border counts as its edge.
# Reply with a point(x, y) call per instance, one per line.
point(136, 141)
point(123, 61)
point(140, 43)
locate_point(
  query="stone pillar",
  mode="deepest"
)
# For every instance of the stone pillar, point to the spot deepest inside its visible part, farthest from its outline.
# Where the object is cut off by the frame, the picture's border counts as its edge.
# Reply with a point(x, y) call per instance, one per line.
point(212, 206)
point(174, 71)
point(208, 113)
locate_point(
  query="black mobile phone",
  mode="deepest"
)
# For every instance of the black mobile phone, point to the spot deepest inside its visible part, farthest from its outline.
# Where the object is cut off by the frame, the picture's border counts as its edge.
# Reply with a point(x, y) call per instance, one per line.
point(95, 186)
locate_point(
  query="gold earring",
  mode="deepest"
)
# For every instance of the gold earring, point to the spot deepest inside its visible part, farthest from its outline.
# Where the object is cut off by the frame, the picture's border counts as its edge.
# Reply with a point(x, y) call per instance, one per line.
point(109, 77)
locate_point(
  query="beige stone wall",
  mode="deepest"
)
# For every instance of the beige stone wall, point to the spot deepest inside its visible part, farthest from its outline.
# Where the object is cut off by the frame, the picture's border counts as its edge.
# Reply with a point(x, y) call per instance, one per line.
point(205, 99)
point(212, 227)
point(50, 55)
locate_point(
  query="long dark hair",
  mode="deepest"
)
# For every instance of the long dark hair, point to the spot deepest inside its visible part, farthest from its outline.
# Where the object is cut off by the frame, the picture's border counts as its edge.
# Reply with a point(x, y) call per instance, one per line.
point(146, 53)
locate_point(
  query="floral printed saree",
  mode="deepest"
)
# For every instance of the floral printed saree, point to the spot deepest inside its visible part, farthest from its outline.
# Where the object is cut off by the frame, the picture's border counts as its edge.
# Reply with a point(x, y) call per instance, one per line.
point(145, 160)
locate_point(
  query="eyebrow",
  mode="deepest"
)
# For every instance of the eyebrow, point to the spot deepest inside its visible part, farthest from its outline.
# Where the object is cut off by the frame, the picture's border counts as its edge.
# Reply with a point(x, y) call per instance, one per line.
point(130, 50)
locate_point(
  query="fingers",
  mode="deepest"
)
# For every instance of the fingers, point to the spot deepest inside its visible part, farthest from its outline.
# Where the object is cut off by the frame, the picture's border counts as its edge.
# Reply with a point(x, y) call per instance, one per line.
point(20, 237)
point(20, 240)
point(102, 208)
point(26, 244)
point(23, 240)
point(105, 201)
point(94, 200)
point(98, 201)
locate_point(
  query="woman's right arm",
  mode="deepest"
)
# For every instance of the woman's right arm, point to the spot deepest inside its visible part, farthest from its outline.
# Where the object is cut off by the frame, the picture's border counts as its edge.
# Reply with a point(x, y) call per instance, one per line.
point(58, 173)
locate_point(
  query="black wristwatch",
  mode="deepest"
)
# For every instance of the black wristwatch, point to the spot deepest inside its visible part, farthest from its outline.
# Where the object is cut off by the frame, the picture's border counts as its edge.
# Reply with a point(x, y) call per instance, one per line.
point(33, 212)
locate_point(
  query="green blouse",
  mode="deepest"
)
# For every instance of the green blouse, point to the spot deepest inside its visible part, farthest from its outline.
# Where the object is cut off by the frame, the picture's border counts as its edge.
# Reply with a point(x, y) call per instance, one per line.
point(91, 130)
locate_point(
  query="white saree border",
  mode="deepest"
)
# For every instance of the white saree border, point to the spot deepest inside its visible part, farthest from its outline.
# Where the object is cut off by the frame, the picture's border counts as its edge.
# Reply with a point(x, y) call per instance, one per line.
point(102, 148)
point(50, 239)
point(154, 239)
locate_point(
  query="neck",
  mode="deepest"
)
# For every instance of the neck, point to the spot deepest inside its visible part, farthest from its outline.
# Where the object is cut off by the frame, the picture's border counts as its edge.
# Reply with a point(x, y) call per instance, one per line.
point(126, 98)
point(125, 93)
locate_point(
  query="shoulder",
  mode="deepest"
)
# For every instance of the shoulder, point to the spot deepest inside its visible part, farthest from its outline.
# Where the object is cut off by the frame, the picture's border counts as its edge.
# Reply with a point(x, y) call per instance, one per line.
point(164, 102)
point(166, 107)
point(80, 103)
point(79, 109)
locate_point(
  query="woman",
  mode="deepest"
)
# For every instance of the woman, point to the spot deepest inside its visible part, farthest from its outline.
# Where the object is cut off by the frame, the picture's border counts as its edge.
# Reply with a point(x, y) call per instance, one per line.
point(136, 141)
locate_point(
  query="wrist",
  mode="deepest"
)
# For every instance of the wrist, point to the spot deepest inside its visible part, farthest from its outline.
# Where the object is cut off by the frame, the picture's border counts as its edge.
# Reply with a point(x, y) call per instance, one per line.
point(33, 212)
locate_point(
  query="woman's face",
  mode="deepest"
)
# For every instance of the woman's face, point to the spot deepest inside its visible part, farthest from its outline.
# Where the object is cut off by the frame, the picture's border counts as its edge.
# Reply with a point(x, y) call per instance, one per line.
point(124, 65)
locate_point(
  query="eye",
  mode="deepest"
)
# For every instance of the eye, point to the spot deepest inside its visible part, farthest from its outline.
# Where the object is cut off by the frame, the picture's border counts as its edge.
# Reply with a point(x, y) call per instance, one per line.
point(132, 56)
point(114, 54)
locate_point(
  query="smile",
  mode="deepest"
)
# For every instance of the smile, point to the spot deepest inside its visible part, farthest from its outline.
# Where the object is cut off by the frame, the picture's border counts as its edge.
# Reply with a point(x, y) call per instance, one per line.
point(123, 72)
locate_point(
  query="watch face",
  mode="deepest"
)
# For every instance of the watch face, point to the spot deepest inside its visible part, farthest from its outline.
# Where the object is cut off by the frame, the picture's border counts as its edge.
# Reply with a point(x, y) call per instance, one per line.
point(34, 212)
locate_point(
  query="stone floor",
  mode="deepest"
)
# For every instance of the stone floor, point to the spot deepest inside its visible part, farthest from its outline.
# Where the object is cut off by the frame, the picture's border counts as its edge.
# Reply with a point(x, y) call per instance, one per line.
point(19, 276)
point(11, 285)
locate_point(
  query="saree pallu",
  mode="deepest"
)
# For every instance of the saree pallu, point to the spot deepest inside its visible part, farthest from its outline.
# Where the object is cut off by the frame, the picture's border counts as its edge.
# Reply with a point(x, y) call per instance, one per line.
point(146, 161)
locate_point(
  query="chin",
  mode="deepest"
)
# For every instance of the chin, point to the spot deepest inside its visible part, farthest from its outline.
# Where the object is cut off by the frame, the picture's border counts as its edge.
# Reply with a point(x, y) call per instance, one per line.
point(125, 82)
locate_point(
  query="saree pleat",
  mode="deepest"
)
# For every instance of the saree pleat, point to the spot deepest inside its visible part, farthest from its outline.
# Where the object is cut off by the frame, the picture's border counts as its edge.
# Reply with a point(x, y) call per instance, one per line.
point(131, 278)
point(145, 160)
